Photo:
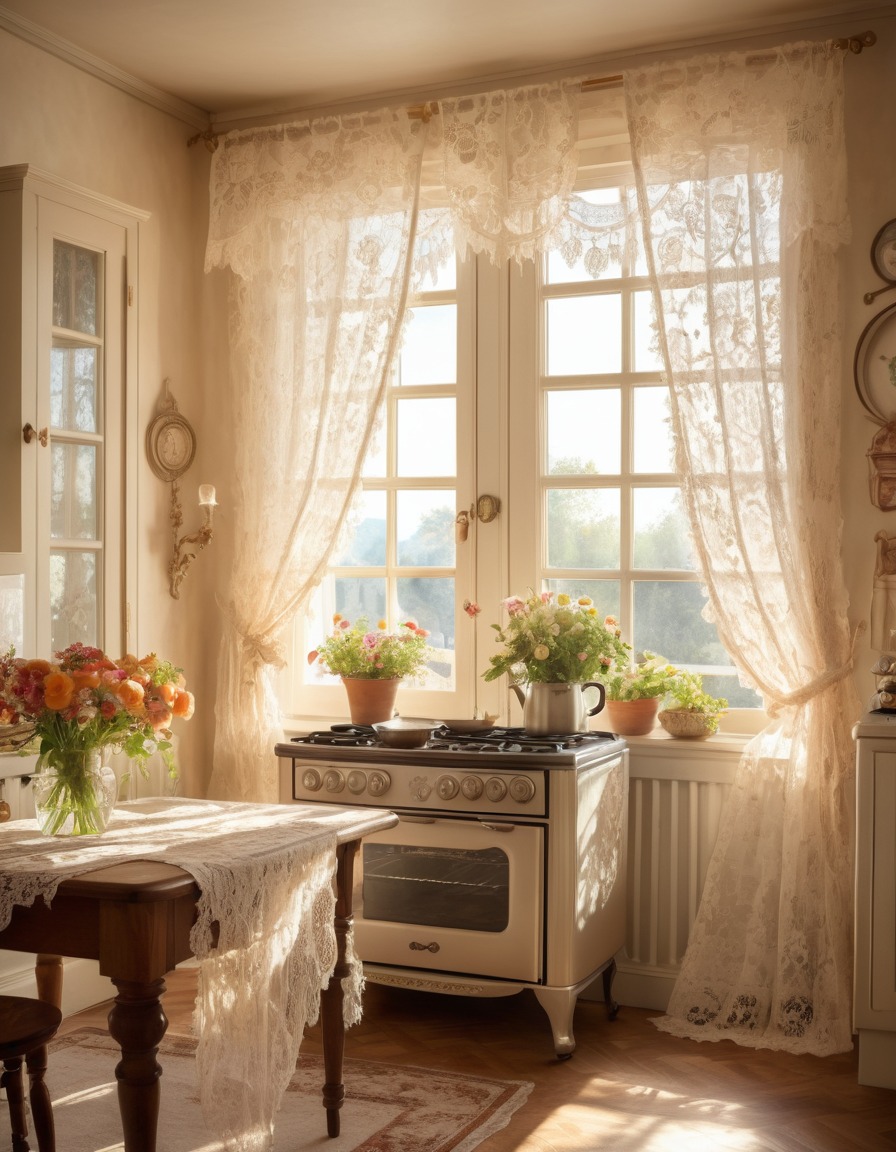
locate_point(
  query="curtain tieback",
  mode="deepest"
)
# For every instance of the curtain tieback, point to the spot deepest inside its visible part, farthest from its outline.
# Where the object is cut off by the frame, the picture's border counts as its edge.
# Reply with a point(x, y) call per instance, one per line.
point(826, 679)
point(258, 650)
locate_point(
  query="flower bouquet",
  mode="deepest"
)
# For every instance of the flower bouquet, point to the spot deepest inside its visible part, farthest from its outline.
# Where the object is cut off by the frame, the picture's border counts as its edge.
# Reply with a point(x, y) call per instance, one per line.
point(555, 640)
point(84, 702)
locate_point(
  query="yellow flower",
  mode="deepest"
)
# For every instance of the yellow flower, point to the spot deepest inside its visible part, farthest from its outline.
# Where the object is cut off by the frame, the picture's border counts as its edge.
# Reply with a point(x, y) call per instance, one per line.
point(584, 601)
point(541, 652)
point(563, 599)
point(381, 624)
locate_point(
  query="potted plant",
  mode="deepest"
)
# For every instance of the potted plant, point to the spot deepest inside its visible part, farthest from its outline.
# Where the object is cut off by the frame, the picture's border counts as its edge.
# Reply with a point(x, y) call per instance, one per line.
point(690, 713)
point(634, 693)
point(372, 663)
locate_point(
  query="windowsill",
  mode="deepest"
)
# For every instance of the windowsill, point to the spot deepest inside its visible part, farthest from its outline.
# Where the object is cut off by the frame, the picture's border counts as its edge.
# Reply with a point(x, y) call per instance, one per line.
point(720, 741)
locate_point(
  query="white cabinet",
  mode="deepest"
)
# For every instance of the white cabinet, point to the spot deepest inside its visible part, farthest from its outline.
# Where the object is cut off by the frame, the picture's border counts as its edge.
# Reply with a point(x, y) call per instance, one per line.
point(68, 357)
point(875, 929)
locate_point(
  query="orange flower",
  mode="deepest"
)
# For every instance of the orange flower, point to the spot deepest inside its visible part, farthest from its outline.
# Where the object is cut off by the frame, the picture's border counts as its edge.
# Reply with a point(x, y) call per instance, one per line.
point(168, 692)
point(183, 705)
point(130, 693)
point(41, 666)
point(58, 689)
point(84, 679)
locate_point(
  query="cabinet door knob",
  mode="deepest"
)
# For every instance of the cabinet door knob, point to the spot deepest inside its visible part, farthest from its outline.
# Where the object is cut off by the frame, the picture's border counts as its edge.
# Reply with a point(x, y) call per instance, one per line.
point(29, 432)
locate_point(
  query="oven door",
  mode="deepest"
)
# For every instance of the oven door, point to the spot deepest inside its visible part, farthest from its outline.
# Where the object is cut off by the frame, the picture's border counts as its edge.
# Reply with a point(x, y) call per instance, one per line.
point(453, 896)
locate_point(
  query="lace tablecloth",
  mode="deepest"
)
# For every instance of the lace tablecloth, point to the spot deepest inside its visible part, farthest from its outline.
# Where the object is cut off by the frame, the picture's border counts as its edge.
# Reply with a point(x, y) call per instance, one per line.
point(260, 980)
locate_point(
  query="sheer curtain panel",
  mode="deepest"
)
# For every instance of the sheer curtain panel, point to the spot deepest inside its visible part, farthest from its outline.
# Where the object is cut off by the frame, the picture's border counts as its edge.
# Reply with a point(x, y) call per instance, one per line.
point(740, 166)
point(316, 222)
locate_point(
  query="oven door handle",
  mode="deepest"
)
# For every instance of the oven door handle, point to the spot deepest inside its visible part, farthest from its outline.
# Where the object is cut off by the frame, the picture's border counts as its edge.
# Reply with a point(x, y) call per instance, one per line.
point(417, 819)
point(492, 827)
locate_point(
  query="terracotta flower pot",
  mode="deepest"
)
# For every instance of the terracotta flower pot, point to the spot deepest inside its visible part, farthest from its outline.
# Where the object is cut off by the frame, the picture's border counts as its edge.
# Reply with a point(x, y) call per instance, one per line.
point(370, 701)
point(632, 717)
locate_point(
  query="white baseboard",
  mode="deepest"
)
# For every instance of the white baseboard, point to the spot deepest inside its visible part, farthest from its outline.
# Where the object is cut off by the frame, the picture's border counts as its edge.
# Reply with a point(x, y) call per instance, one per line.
point(637, 986)
point(82, 984)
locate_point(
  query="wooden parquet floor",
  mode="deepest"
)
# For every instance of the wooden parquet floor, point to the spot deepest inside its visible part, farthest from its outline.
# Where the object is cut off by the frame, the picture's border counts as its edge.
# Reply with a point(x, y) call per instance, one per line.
point(627, 1088)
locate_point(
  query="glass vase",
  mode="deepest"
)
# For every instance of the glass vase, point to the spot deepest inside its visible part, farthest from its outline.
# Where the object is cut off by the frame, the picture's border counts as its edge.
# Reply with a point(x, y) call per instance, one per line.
point(74, 793)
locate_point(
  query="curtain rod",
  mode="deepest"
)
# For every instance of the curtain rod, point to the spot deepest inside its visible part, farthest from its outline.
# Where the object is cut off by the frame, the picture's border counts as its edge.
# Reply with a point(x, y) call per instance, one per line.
point(424, 112)
point(853, 44)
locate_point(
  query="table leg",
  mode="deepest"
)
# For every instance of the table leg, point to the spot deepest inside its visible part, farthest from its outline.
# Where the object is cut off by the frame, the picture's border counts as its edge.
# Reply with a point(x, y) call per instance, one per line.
point(331, 1005)
point(48, 978)
point(137, 1023)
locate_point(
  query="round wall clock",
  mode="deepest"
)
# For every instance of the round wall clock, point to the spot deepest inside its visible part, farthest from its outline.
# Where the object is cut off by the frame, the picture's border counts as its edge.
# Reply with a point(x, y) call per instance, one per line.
point(170, 445)
point(874, 366)
point(883, 252)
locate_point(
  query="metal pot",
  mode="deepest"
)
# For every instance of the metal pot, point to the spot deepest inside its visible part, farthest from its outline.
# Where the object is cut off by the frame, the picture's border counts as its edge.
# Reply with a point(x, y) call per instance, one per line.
point(404, 732)
point(557, 709)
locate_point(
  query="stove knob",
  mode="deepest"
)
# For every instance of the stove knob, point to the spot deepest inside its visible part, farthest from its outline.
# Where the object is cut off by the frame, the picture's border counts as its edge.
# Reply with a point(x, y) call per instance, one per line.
point(522, 789)
point(378, 783)
point(471, 786)
point(447, 788)
point(495, 788)
point(311, 779)
point(333, 781)
point(356, 781)
point(420, 788)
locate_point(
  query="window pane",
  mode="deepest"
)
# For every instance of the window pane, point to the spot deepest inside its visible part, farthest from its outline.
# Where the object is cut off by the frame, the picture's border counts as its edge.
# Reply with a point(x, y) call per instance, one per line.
point(74, 390)
point(583, 527)
point(427, 439)
point(647, 358)
point(73, 500)
point(12, 612)
point(430, 602)
point(653, 449)
point(604, 593)
point(732, 690)
point(583, 335)
point(668, 621)
point(367, 546)
point(661, 530)
point(425, 529)
point(360, 596)
point(76, 284)
point(73, 599)
point(584, 432)
point(429, 351)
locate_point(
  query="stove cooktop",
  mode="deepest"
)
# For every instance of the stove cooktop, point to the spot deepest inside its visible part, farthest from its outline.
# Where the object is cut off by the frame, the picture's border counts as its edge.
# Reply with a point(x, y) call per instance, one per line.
point(357, 742)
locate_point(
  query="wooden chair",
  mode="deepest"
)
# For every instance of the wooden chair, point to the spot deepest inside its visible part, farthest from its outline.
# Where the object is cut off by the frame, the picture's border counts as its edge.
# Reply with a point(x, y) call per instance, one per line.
point(26, 1027)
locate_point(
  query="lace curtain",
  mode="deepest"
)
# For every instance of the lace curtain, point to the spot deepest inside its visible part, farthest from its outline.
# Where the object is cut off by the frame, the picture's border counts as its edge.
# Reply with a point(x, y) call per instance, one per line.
point(317, 223)
point(325, 225)
point(740, 167)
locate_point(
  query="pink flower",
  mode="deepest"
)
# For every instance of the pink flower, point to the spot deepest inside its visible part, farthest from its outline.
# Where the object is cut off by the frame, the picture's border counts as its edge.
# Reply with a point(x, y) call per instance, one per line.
point(515, 606)
point(471, 608)
point(370, 640)
point(583, 656)
point(547, 597)
point(343, 624)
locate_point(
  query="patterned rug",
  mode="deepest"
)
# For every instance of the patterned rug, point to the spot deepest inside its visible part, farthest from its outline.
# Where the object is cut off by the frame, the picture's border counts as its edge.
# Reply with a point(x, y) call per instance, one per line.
point(388, 1108)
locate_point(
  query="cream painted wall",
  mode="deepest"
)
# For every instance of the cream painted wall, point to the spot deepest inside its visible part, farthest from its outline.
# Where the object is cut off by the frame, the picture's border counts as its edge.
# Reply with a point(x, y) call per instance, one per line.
point(77, 127)
point(871, 128)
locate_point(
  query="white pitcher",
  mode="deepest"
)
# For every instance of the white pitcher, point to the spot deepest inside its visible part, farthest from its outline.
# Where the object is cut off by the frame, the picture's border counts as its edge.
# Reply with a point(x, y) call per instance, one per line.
point(557, 709)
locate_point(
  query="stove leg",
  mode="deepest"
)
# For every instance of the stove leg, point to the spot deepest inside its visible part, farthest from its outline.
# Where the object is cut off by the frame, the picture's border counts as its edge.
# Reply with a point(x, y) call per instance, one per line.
point(560, 1005)
point(607, 975)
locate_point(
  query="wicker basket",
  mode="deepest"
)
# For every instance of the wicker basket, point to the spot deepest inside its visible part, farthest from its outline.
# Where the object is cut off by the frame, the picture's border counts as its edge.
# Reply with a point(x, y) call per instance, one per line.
point(687, 725)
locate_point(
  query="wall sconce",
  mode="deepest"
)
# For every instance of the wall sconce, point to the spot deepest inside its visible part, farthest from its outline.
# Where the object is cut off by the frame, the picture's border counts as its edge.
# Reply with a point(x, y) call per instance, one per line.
point(181, 560)
point(171, 446)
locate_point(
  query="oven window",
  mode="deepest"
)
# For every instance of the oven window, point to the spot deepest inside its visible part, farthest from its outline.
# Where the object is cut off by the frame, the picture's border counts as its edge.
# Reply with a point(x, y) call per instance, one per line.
point(442, 887)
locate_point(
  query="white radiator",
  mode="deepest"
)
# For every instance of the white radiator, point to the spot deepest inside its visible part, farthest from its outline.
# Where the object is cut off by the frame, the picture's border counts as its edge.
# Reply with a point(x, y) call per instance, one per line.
point(676, 794)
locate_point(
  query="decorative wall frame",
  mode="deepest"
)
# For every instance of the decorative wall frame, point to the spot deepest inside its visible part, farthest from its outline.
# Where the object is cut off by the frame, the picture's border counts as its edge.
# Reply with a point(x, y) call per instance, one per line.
point(170, 440)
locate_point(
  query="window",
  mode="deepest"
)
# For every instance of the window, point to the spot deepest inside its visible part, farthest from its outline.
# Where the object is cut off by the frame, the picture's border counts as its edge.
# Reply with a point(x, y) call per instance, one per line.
point(609, 514)
point(571, 430)
point(402, 559)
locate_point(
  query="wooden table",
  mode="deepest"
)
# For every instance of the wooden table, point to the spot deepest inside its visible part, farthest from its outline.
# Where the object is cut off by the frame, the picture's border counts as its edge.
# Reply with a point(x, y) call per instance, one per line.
point(135, 919)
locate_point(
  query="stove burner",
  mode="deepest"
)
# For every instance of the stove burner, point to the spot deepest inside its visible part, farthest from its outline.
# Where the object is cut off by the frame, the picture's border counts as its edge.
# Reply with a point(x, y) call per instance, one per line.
point(444, 739)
